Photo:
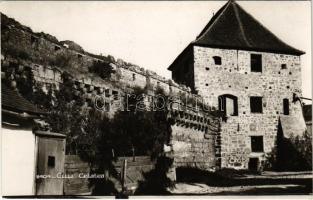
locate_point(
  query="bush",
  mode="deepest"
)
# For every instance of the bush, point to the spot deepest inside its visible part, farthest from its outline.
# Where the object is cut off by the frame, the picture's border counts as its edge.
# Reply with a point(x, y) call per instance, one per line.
point(16, 52)
point(103, 69)
point(95, 137)
point(290, 154)
point(62, 60)
point(303, 145)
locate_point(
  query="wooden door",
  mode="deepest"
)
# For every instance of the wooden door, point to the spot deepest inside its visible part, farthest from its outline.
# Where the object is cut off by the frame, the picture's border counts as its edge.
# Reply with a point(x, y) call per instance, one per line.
point(50, 166)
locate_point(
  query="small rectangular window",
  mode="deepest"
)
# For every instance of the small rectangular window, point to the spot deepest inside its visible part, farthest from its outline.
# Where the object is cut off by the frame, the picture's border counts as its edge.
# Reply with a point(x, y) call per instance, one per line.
point(257, 144)
point(51, 161)
point(217, 60)
point(286, 106)
point(256, 104)
point(256, 63)
point(283, 66)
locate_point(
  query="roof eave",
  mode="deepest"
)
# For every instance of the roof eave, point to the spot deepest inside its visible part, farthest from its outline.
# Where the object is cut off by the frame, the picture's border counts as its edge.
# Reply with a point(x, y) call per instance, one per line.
point(37, 112)
point(179, 56)
point(295, 52)
point(23, 115)
point(49, 134)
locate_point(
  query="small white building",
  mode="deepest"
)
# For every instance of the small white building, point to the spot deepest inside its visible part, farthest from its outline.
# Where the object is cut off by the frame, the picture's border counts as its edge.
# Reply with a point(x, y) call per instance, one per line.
point(25, 153)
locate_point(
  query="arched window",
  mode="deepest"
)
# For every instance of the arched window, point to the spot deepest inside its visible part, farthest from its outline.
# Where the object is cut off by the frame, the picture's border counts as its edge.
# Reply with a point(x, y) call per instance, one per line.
point(228, 104)
point(217, 60)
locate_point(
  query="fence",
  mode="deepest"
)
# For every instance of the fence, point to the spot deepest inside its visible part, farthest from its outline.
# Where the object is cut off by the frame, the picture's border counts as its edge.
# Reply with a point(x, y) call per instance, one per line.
point(73, 184)
point(135, 169)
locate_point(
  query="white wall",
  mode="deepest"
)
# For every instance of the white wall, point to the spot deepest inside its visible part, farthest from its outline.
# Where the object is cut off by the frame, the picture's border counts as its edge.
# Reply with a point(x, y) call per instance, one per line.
point(18, 161)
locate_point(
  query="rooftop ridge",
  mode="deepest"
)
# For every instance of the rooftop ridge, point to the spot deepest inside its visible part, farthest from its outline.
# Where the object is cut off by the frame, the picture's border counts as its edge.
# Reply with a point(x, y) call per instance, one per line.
point(260, 24)
point(234, 28)
point(213, 19)
point(240, 25)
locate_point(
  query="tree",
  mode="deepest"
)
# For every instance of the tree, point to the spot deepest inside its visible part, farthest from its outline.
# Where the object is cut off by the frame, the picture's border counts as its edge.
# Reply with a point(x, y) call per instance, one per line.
point(98, 139)
point(143, 132)
point(103, 69)
point(298, 156)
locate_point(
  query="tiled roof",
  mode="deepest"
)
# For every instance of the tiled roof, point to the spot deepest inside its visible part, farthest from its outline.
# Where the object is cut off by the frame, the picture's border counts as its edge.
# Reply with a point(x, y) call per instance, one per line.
point(307, 112)
point(12, 100)
point(233, 28)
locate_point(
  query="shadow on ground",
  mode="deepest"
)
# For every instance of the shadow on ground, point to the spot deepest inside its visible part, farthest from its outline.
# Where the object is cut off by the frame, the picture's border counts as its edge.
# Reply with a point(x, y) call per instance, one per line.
point(156, 181)
point(231, 178)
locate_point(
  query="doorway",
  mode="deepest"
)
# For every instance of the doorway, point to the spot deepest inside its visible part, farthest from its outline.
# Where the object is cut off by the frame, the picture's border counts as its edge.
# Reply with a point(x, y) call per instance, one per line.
point(50, 163)
point(253, 164)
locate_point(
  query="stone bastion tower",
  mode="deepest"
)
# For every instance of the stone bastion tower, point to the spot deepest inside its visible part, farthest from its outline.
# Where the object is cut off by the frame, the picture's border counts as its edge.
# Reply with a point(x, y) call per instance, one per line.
point(242, 68)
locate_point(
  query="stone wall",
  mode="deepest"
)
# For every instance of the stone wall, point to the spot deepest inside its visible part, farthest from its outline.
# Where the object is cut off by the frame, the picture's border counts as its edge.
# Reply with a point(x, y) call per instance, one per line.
point(234, 77)
point(37, 49)
point(48, 59)
point(194, 138)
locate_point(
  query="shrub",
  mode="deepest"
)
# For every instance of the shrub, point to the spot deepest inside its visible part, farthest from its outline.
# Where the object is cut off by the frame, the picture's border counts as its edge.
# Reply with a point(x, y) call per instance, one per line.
point(303, 145)
point(62, 60)
point(16, 52)
point(94, 136)
point(290, 154)
point(103, 69)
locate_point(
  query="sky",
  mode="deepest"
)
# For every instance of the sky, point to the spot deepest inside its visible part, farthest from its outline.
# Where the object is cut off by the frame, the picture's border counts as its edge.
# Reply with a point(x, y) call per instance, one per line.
point(152, 34)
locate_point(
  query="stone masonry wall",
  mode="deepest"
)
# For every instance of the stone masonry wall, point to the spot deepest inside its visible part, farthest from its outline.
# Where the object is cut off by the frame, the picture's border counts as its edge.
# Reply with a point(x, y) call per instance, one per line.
point(48, 59)
point(193, 138)
point(234, 77)
point(46, 54)
point(22, 50)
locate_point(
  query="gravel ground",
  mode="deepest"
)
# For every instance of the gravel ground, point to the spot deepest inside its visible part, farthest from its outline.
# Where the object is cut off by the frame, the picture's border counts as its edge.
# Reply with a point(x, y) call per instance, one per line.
point(277, 188)
point(197, 188)
point(282, 175)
